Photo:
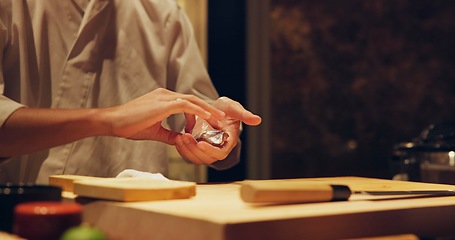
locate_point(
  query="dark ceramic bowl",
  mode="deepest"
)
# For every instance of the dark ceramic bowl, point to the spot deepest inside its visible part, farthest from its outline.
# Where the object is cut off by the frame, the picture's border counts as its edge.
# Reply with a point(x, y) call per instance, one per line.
point(11, 195)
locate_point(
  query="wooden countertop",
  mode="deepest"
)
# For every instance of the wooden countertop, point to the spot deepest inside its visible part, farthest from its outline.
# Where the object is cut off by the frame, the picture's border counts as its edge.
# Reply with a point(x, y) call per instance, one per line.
point(218, 213)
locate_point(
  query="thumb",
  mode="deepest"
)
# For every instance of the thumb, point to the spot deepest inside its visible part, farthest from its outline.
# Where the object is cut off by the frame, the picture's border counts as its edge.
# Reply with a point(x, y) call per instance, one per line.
point(166, 136)
point(250, 119)
point(237, 111)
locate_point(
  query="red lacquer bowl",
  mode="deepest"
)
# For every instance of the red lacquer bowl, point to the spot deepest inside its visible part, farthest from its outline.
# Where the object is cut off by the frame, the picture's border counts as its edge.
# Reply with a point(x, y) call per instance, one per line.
point(45, 220)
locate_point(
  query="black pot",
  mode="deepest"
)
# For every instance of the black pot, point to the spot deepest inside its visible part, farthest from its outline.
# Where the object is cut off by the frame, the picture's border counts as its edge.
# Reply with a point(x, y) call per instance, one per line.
point(11, 195)
point(428, 158)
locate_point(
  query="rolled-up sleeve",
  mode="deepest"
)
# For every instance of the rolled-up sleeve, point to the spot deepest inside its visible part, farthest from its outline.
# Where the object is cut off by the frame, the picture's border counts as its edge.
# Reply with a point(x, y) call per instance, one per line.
point(7, 107)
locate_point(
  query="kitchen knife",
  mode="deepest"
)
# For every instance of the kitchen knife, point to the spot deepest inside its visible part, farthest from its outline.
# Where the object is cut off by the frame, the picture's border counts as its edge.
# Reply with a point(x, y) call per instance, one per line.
point(289, 192)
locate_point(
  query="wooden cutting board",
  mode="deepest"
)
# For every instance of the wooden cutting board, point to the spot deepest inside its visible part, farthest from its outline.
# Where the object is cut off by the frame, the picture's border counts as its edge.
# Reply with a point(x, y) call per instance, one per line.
point(217, 212)
point(125, 189)
point(66, 181)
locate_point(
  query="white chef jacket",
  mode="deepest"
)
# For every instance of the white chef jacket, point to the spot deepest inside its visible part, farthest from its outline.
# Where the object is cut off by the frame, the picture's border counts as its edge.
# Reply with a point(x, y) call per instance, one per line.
point(66, 54)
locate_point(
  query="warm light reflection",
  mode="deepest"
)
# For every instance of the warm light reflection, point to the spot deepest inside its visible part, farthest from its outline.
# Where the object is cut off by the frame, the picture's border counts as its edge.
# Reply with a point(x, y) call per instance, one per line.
point(451, 158)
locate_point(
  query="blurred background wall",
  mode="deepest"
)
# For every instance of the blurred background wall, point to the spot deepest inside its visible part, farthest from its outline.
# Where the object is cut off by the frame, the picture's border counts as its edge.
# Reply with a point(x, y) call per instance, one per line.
point(352, 78)
point(346, 80)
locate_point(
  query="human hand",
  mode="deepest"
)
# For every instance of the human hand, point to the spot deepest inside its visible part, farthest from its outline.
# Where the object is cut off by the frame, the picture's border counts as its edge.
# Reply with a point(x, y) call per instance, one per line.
point(205, 153)
point(235, 110)
point(141, 118)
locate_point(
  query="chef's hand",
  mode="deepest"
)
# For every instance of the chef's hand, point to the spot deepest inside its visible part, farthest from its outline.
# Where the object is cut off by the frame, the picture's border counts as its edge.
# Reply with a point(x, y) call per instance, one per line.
point(141, 118)
point(32, 129)
point(205, 153)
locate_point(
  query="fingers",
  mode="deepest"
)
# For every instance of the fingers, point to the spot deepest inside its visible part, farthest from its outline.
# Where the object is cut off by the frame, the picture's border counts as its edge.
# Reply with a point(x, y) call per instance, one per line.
point(184, 145)
point(190, 122)
point(157, 133)
point(249, 118)
point(192, 108)
point(141, 113)
point(198, 152)
point(167, 136)
point(193, 105)
point(235, 110)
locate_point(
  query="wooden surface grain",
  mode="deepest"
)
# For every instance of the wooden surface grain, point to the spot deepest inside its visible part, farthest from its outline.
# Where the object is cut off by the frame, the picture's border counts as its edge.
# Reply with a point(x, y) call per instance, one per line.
point(218, 213)
point(124, 189)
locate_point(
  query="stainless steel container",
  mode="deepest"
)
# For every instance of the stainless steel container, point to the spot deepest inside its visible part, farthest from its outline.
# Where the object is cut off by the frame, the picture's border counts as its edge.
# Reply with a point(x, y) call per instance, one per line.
point(428, 158)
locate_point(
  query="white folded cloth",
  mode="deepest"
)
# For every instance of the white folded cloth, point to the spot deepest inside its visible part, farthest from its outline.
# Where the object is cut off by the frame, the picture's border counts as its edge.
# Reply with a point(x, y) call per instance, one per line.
point(129, 173)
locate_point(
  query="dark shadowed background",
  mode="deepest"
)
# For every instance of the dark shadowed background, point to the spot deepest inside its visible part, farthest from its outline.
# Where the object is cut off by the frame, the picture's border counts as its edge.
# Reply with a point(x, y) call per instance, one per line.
point(349, 79)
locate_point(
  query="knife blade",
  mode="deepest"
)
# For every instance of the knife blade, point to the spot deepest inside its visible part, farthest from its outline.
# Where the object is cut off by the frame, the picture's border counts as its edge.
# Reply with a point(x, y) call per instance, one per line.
point(291, 192)
point(445, 192)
